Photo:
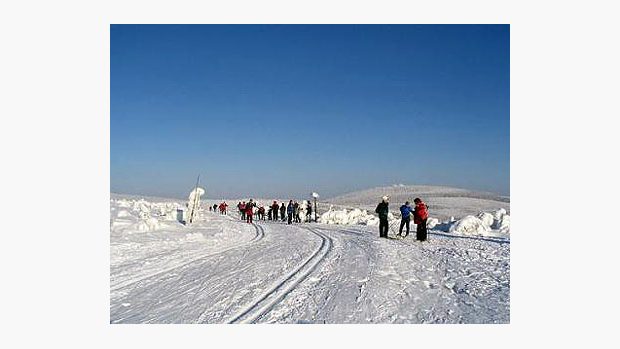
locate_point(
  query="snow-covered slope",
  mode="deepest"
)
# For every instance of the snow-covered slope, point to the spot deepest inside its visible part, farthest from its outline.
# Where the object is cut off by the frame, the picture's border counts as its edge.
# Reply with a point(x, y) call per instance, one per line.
point(222, 270)
point(443, 202)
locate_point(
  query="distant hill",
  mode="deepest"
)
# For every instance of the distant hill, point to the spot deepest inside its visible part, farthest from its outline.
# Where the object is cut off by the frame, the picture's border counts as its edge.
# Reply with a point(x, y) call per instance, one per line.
point(443, 201)
point(117, 196)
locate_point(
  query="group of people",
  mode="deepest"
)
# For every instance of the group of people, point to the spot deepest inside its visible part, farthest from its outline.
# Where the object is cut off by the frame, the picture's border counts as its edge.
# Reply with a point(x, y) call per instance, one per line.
point(419, 212)
point(291, 214)
point(275, 212)
point(223, 208)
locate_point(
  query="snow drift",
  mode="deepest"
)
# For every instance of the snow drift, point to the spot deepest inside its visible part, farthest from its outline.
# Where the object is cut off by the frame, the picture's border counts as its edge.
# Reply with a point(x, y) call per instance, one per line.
point(484, 224)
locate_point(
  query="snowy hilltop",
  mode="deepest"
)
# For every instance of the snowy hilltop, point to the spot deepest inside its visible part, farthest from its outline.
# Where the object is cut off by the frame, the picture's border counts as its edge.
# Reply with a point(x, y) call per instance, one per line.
point(220, 269)
point(444, 202)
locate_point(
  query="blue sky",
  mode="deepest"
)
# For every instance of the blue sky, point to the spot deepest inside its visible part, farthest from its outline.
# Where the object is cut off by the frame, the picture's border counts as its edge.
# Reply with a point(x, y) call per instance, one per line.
point(282, 110)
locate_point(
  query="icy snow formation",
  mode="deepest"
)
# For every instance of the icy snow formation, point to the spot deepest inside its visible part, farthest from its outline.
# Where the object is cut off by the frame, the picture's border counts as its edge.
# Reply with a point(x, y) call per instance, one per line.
point(485, 224)
point(469, 225)
point(141, 215)
point(344, 217)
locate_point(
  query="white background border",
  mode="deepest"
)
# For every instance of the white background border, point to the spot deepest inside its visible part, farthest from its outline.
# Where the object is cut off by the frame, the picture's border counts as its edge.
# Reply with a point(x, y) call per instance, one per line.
point(55, 140)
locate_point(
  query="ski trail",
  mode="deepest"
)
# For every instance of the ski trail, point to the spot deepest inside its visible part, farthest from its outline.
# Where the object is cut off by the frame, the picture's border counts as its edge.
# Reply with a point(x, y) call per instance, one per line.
point(260, 233)
point(281, 289)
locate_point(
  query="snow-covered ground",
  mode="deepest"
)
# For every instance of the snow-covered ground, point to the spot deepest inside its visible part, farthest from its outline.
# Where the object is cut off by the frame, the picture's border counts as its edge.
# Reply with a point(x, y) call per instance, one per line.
point(222, 270)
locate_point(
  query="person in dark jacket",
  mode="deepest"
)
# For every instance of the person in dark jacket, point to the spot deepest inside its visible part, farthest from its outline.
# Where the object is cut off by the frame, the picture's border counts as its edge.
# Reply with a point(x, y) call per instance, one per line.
point(283, 212)
point(405, 212)
point(309, 212)
point(382, 209)
point(420, 215)
point(274, 210)
point(261, 213)
point(296, 212)
point(289, 211)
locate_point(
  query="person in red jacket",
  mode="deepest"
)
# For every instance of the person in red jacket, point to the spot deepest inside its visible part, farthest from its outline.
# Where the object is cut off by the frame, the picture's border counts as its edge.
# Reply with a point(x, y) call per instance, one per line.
point(249, 210)
point(420, 215)
point(242, 210)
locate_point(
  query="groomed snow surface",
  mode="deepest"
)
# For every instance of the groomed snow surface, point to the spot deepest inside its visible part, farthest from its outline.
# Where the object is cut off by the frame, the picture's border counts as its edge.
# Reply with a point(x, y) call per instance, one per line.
point(222, 270)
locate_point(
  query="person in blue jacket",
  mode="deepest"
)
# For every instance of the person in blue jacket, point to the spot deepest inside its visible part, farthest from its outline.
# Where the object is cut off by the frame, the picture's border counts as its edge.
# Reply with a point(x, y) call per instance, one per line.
point(289, 211)
point(405, 211)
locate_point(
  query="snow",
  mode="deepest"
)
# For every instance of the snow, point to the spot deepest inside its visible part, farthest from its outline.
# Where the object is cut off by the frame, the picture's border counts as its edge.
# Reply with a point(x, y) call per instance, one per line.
point(222, 270)
point(485, 224)
point(469, 225)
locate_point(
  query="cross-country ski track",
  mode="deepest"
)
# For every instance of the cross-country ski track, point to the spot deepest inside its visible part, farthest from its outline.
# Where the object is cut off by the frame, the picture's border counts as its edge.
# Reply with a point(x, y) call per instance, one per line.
point(315, 273)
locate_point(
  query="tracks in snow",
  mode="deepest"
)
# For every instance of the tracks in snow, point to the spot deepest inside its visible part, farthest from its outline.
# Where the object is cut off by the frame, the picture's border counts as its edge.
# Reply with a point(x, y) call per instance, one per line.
point(260, 233)
point(265, 303)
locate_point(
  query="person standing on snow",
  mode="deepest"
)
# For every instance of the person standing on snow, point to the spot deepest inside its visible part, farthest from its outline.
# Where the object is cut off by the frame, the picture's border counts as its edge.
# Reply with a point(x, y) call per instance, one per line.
point(296, 212)
point(249, 211)
point(420, 215)
point(261, 213)
point(282, 212)
point(242, 210)
point(309, 212)
point(382, 210)
point(289, 211)
point(274, 210)
point(214, 207)
point(405, 212)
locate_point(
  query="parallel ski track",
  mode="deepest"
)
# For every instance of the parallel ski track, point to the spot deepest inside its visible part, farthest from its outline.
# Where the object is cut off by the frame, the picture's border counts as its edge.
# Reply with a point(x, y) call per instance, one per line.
point(265, 303)
point(260, 234)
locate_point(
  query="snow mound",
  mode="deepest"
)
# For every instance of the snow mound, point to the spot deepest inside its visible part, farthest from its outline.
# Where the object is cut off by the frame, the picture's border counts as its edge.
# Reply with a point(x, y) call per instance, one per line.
point(149, 224)
point(345, 217)
point(123, 213)
point(431, 223)
point(501, 221)
point(486, 218)
point(497, 215)
point(504, 224)
point(469, 225)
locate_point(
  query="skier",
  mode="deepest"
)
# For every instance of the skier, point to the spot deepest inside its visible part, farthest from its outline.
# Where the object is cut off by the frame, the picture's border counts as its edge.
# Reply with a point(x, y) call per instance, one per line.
point(382, 209)
point(224, 208)
point(274, 210)
point(270, 214)
point(309, 212)
point(261, 213)
point(289, 211)
point(296, 212)
point(420, 215)
point(242, 210)
point(249, 211)
point(214, 207)
point(405, 212)
point(282, 212)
